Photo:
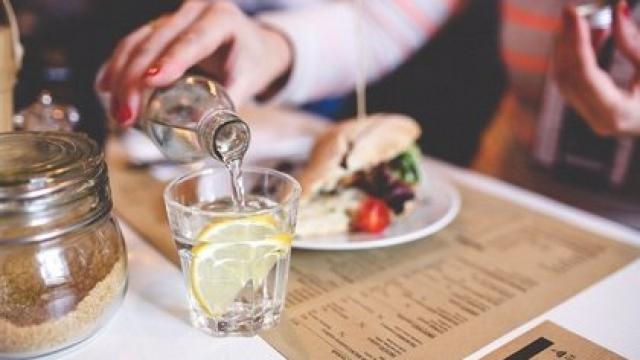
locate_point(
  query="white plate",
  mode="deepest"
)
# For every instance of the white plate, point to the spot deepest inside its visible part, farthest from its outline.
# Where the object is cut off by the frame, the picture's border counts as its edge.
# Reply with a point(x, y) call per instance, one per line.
point(432, 214)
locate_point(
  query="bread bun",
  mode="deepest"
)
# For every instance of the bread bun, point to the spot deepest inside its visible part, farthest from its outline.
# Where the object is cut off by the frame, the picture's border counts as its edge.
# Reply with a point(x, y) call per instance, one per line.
point(354, 145)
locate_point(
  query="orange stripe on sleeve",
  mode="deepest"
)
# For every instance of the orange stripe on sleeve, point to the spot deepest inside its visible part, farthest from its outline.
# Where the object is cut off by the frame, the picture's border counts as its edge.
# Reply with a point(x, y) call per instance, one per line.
point(524, 17)
point(525, 62)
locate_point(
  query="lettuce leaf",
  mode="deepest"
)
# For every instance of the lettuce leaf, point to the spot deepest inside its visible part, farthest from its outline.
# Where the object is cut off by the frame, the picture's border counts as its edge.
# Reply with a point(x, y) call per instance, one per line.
point(406, 166)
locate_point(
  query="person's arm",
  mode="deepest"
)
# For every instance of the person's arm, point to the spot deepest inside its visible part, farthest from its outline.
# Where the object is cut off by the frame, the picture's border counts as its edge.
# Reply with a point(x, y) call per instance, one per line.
point(311, 49)
point(324, 41)
point(242, 54)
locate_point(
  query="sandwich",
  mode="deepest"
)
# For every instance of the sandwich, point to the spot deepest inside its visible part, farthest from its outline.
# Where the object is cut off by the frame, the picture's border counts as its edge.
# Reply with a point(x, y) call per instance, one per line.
point(361, 175)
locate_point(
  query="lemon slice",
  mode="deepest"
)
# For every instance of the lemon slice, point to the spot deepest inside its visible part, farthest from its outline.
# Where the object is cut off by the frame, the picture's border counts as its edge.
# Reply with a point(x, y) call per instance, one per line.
point(238, 229)
point(230, 254)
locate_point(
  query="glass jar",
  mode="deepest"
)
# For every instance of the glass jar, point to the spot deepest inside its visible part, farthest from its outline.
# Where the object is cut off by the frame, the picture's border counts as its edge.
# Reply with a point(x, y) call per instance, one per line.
point(63, 268)
point(193, 118)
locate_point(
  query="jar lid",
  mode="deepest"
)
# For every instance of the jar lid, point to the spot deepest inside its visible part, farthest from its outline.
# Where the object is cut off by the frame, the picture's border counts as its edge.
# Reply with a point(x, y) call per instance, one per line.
point(50, 184)
point(35, 163)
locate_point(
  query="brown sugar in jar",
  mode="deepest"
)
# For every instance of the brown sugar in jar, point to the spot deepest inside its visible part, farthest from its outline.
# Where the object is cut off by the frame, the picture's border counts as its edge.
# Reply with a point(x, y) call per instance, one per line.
point(62, 256)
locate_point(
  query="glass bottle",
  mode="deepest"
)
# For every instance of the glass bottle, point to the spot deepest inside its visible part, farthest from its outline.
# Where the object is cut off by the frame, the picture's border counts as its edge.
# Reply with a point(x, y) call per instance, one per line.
point(193, 118)
point(10, 59)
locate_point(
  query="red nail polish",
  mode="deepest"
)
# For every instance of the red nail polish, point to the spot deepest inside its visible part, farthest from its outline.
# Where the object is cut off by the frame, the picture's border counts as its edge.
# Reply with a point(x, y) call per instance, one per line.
point(124, 113)
point(152, 71)
point(626, 10)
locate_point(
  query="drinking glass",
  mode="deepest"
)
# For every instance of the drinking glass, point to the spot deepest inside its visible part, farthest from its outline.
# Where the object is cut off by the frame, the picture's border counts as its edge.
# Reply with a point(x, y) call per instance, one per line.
point(234, 257)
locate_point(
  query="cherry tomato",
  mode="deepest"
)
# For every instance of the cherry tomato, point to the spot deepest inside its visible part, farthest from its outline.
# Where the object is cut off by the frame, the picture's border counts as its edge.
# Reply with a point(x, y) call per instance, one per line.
point(373, 216)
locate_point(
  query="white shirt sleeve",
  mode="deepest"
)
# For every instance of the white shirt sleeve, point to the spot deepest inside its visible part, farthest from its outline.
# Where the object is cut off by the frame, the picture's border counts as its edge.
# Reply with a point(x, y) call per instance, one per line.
point(323, 36)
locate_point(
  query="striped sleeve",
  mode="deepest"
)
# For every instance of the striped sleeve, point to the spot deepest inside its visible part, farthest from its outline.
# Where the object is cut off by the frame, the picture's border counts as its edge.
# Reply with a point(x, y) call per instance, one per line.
point(527, 36)
point(323, 36)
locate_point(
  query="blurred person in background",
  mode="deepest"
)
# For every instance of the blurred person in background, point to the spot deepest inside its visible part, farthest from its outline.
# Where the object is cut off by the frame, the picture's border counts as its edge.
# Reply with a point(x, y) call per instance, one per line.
point(302, 52)
point(571, 127)
point(308, 52)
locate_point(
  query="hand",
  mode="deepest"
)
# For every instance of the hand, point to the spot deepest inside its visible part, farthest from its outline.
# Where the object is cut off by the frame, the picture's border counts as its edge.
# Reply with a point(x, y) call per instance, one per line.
point(608, 109)
point(243, 55)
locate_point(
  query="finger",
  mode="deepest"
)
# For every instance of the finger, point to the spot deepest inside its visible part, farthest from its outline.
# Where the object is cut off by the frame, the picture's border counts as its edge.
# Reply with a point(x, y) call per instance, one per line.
point(218, 63)
point(626, 33)
point(575, 39)
point(98, 82)
point(102, 80)
point(585, 85)
point(135, 101)
point(129, 107)
point(213, 29)
point(126, 83)
point(119, 57)
point(575, 62)
point(116, 63)
point(240, 90)
point(154, 45)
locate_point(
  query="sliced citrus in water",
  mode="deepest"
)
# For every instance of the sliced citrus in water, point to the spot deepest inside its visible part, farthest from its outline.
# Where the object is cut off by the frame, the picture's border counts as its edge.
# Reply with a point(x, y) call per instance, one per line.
point(229, 254)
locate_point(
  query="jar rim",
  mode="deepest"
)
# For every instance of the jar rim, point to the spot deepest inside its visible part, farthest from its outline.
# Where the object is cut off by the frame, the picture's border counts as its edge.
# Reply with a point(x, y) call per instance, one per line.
point(51, 184)
point(34, 164)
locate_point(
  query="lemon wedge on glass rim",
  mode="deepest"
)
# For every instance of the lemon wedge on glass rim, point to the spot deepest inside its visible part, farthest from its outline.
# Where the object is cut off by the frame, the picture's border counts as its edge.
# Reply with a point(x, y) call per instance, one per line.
point(229, 254)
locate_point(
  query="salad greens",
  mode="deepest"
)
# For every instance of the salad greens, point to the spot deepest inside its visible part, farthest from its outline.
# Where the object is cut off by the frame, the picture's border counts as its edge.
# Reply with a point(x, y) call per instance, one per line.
point(406, 166)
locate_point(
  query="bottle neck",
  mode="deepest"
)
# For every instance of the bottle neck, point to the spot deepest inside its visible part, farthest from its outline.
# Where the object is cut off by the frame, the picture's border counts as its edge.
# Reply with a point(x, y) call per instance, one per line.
point(223, 135)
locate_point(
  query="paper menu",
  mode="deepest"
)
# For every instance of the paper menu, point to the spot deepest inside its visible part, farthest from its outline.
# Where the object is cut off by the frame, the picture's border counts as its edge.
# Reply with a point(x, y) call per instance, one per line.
point(498, 266)
point(549, 341)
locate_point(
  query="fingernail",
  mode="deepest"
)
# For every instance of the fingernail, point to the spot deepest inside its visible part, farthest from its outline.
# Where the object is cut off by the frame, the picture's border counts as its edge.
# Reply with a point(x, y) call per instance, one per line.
point(152, 71)
point(123, 113)
point(626, 10)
